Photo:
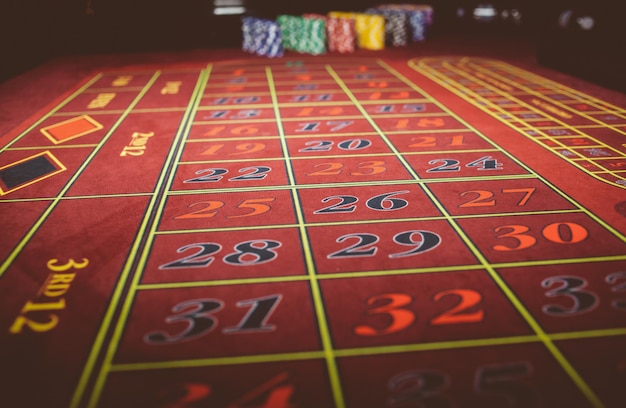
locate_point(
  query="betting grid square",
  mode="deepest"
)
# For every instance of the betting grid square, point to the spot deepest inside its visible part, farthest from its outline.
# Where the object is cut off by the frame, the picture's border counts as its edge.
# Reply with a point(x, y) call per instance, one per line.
point(296, 188)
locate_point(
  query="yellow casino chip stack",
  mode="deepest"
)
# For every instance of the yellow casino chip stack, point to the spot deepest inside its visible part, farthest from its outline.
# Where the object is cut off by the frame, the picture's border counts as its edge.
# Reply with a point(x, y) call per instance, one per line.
point(370, 31)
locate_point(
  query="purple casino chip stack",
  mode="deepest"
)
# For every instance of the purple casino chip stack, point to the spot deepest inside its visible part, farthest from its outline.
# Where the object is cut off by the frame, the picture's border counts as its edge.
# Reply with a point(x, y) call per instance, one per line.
point(262, 37)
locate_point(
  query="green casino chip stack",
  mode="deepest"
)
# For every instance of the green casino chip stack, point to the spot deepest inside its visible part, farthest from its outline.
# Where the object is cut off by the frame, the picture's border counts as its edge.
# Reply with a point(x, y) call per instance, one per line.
point(314, 41)
point(291, 29)
point(303, 34)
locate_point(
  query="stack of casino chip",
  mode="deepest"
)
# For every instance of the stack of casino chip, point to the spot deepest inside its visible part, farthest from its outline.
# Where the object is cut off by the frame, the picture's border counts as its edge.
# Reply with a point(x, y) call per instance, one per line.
point(262, 37)
point(396, 26)
point(370, 29)
point(305, 34)
point(291, 30)
point(315, 34)
point(341, 34)
point(338, 31)
point(420, 17)
point(247, 25)
point(418, 23)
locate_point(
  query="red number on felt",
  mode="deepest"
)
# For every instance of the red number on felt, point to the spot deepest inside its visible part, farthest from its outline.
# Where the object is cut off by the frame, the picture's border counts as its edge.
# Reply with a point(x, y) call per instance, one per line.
point(256, 205)
point(483, 199)
point(431, 141)
point(558, 232)
point(243, 148)
point(373, 84)
point(239, 130)
point(248, 148)
point(193, 392)
point(423, 123)
point(278, 395)
point(207, 211)
point(374, 167)
point(210, 208)
point(469, 298)
point(517, 232)
point(396, 95)
point(244, 130)
point(400, 318)
point(528, 192)
point(332, 169)
point(424, 141)
point(565, 233)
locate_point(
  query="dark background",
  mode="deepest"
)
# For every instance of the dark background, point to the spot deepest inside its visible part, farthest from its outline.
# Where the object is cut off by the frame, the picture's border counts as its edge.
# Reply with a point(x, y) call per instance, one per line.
point(35, 31)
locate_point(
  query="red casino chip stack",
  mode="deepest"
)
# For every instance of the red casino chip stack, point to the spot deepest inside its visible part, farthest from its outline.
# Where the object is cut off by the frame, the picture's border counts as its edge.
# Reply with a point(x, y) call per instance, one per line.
point(341, 34)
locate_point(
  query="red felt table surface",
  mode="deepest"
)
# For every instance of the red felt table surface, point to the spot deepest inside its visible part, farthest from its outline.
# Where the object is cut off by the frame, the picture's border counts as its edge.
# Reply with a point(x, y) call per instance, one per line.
point(377, 229)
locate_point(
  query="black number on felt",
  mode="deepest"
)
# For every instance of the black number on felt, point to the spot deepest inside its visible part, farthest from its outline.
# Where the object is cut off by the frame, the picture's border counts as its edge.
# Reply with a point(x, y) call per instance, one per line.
point(423, 387)
point(503, 380)
point(418, 388)
point(448, 165)
point(354, 144)
point(384, 202)
point(485, 163)
point(613, 279)
point(254, 173)
point(326, 145)
point(360, 248)
point(343, 206)
point(212, 176)
point(196, 313)
point(317, 146)
point(422, 241)
point(256, 319)
point(253, 252)
point(381, 202)
point(338, 124)
point(200, 259)
point(246, 253)
point(572, 288)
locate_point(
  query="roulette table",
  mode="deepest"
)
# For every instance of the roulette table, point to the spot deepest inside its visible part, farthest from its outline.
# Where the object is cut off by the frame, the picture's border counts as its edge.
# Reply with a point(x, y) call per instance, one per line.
point(381, 229)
